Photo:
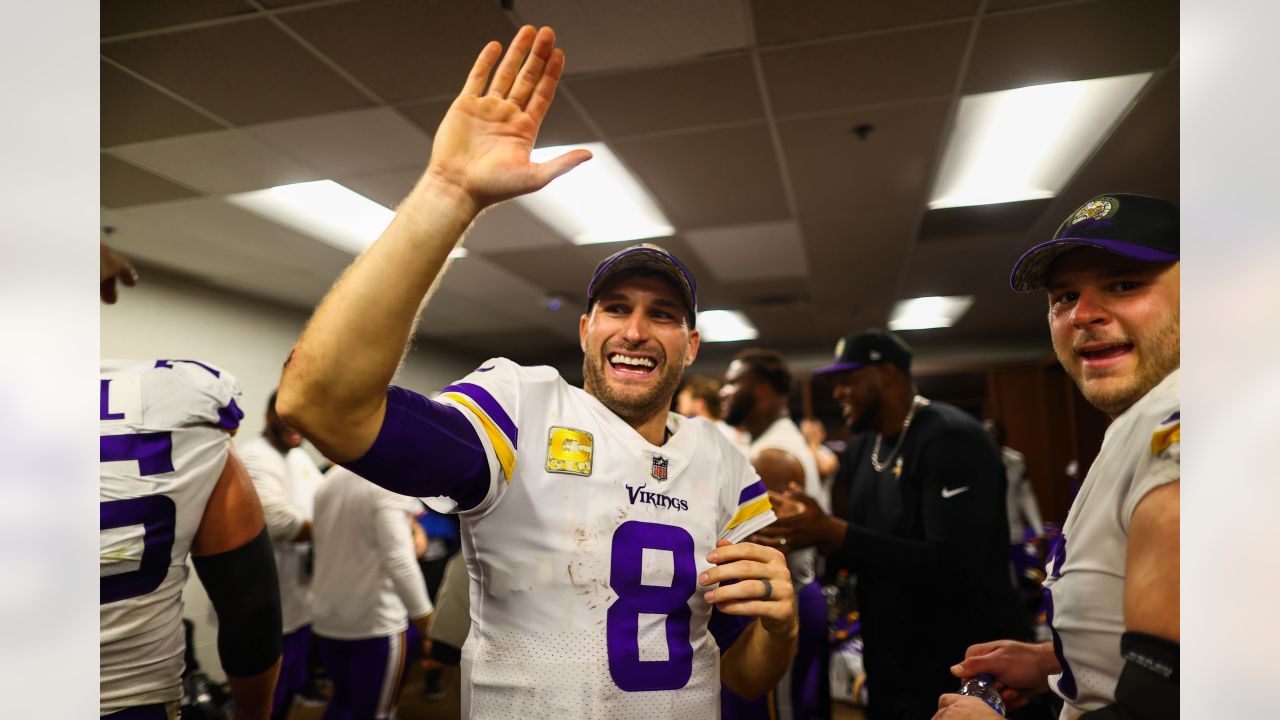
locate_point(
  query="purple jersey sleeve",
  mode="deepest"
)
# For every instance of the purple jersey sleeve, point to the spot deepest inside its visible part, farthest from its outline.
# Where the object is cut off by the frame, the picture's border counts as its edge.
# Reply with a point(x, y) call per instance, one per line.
point(425, 448)
point(726, 628)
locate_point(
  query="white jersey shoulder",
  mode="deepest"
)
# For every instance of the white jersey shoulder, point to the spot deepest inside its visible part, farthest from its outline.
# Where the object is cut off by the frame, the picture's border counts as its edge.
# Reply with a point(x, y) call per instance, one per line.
point(584, 555)
point(164, 436)
point(1086, 570)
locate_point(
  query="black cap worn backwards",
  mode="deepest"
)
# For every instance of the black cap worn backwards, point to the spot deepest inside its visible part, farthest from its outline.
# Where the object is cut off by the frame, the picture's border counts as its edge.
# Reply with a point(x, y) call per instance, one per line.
point(872, 346)
point(649, 257)
point(1135, 226)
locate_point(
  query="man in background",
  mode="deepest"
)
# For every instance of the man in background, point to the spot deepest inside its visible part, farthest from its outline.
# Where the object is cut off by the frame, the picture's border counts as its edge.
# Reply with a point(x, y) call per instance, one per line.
point(367, 589)
point(700, 397)
point(286, 480)
point(925, 532)
point(756, 388)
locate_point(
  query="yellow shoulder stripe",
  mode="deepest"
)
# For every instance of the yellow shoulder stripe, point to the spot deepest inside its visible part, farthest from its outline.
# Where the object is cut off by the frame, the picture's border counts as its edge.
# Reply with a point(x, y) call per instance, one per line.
point(746, 512)
point(1162, 439)
point(501, 447)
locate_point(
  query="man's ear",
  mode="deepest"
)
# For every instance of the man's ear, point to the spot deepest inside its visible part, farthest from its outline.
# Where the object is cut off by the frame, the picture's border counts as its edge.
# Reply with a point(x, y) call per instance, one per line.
point(695, 340)
point(582, 332)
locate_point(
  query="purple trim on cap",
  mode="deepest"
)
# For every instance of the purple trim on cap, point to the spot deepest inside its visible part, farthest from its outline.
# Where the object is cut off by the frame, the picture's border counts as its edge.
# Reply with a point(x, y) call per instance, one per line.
point(839, 367)
point(490, 407)
point(1028, 272)
point(230, 416)
point(751, 492)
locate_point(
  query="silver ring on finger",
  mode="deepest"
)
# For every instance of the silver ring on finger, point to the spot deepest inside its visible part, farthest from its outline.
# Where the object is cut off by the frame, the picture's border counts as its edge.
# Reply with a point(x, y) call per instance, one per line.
point(768, 589)
point(782, 541)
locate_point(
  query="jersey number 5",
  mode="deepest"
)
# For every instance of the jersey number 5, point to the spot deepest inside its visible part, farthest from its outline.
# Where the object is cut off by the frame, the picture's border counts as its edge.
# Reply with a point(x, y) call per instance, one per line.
point(629, 672)
point(155, 513)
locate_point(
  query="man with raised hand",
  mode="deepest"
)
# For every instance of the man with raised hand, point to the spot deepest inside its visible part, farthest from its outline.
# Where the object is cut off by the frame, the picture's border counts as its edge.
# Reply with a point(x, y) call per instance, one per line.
point(597, 526)
point(1111, 273)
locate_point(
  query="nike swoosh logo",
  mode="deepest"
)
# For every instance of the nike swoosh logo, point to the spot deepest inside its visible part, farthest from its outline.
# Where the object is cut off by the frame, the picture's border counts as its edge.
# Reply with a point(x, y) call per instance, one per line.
point(484, 369)
point(952, 492)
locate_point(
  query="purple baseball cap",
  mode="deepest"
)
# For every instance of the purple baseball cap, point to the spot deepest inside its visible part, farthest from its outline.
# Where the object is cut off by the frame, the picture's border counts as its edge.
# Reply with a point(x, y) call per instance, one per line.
point(647, 256)
point(1135, 226)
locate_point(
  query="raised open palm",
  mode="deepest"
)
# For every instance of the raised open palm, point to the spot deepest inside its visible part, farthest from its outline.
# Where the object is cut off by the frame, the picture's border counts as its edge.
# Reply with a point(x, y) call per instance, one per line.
point(482, 146)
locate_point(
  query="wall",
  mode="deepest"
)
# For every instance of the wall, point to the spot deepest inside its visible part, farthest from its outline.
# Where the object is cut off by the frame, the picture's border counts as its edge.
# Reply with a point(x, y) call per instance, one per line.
point(169, 317)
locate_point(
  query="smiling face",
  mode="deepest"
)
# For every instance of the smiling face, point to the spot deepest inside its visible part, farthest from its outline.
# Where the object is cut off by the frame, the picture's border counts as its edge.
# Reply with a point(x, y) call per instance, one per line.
point(858, 392)
point(636, 343)
point(1115, 324)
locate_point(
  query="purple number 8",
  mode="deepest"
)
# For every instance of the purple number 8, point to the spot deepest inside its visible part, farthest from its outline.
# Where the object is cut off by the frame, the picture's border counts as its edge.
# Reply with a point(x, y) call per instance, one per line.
point(629, 672)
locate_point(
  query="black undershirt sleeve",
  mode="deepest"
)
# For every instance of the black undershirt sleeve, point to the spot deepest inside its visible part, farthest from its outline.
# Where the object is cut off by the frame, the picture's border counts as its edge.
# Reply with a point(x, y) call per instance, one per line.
point(245, 595)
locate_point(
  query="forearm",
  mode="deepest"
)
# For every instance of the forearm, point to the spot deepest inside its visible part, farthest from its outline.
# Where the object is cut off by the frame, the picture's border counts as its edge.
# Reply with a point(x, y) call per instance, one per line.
point(395, 543)
point(252, 694)
point(337, 376)
point(758, 660)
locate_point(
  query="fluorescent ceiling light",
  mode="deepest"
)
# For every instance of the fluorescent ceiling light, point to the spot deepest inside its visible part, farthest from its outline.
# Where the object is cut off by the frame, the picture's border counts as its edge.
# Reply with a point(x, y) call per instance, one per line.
point(928, 312)
point(596, 202)
point(1025, 144)
point(324, 210)
point(725, 326)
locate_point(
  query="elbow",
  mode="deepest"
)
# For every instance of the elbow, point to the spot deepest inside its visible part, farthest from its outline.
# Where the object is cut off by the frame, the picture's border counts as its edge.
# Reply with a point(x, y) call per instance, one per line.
point(292, 402)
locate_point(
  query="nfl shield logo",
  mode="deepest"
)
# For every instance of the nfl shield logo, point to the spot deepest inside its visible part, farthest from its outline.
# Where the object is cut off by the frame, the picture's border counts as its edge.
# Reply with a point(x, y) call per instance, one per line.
point(659, 468)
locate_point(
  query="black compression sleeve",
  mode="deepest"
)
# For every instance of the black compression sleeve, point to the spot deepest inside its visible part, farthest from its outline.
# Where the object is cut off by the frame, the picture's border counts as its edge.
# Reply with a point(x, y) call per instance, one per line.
point(243, 590)
point(1148, 685)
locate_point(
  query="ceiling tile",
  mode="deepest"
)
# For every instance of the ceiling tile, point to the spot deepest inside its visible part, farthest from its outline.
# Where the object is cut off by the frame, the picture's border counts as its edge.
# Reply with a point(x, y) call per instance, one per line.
point(777, 251)
point(226, 161)
point(984, 220)
point(350, 143)
point(994, 6)
point(124, 185)
point(133, 111)
point(452, 314)
point(865, 70)
point(780, 21)
point(697, 93)
point(599, 35)
point(388, 189)
point(127, 16)
point(509, 227)
point(246, 72)
point(702, 179)
point(832, 169)
point(564, 271)
point(404, 49)
point(563, 124)
point(1072, 42)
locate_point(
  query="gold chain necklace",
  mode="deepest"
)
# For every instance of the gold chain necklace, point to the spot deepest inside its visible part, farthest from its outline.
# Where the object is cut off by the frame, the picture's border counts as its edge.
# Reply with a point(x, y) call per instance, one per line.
point(917, 402)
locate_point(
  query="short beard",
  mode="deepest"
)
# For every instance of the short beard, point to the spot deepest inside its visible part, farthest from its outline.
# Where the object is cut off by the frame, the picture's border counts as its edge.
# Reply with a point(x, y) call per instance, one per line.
point(737, 414)
point(633, 409)
point(867, 420)
point(1161, 354)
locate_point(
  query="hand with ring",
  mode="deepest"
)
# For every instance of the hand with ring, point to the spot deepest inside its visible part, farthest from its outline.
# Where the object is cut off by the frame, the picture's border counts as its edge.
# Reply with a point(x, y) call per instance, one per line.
point(763, 589)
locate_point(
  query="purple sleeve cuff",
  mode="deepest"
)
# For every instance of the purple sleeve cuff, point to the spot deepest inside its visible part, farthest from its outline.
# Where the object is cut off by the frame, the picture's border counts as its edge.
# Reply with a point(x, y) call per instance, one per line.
point(726, 628)
point(424, 449)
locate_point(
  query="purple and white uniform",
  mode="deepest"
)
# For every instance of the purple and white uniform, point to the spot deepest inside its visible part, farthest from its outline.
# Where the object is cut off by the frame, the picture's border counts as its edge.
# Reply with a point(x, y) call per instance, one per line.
point(583, 542)
point(165, 435)
point(1086, 569)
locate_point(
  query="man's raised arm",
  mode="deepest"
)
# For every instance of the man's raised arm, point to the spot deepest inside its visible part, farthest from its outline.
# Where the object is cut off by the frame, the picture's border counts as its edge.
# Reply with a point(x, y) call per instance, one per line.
point(334, 384)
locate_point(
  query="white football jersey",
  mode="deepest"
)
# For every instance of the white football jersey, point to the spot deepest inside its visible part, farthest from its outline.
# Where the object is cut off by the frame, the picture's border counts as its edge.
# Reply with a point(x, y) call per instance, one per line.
point(585, 553)
point(286, 486)
point(1086, 569)
point(165, 435)
point(784, 435)
point(367, 581)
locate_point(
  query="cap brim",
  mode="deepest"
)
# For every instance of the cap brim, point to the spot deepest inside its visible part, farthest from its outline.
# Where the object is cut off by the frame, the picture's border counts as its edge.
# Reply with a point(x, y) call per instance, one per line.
point(1030, 272)
point(651, 260)
point(839, 367)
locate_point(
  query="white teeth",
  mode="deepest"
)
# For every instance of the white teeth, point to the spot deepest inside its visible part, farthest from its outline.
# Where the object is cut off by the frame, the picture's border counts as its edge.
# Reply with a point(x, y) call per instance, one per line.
point(625, 360)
